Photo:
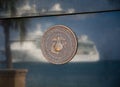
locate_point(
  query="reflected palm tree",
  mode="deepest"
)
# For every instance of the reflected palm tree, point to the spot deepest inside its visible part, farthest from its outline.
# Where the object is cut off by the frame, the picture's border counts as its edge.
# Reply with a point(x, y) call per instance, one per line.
point(8, 6)
point(19, 25)
point(7, 24)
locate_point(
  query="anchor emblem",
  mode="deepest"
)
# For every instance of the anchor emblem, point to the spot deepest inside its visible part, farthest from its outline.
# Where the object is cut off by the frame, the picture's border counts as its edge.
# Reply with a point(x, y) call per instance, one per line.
point(58, 44)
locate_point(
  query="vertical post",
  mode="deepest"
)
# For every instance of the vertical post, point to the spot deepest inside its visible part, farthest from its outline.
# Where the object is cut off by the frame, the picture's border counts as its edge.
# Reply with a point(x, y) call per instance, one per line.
point(13, 78)
point(7, 45)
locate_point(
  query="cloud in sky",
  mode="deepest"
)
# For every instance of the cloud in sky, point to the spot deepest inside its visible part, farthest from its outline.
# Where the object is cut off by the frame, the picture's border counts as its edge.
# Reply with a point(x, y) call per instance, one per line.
point(56, 7)
point(65, 6)
point(31, 52)
point(35, 32)
point(26, 8)
point(26, 52)
point(71, 10)
point(92, 25)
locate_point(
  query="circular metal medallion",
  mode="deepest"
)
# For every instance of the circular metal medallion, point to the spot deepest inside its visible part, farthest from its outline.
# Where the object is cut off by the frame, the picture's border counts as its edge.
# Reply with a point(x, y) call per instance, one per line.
point(59, 44)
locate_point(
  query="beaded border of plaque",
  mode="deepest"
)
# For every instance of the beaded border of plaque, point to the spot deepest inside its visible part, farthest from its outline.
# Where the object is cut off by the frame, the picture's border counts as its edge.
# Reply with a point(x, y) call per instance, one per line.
point(59, 44)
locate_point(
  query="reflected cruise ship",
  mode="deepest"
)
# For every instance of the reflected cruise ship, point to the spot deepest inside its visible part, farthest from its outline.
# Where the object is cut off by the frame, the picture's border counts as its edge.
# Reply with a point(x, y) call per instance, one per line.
point(87, 50)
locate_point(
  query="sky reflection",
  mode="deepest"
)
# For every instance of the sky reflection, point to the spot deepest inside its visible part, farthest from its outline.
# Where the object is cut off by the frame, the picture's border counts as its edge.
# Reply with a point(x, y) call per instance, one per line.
point(103, 30)
point(43, 7)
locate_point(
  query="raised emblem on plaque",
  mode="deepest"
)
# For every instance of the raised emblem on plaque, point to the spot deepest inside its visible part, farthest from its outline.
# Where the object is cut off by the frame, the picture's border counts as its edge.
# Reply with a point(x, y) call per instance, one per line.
point(59, 44)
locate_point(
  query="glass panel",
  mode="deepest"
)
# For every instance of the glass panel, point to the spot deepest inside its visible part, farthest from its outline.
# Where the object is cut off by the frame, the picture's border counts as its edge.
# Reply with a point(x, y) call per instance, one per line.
point(18, 8)
point(96, 64)
point(2, 56)
point(2, 65)
point(97, 36)
point(2, 51)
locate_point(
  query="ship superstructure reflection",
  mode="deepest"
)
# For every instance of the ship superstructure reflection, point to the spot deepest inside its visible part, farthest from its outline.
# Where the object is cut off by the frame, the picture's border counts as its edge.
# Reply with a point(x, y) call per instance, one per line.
point(87, 51)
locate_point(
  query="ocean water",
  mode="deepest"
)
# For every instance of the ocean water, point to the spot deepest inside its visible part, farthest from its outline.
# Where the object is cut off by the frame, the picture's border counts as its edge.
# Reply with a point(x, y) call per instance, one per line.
point(93, 74)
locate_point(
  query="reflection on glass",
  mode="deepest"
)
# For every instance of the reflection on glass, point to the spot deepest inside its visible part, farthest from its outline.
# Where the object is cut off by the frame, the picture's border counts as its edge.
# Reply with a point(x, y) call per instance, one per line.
point(27, 52)
point(2, 55)
point(2, 51)
point(87, 50)
point(18, 8)
point(98, 37)
point(31, 50)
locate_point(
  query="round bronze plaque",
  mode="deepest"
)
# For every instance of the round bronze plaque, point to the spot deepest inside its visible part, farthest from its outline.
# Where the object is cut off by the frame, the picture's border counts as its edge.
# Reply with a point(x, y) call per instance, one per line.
point(59, 44)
